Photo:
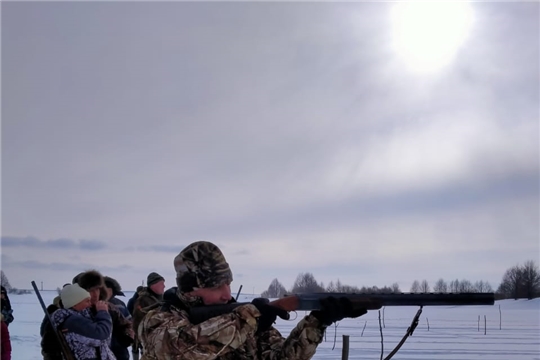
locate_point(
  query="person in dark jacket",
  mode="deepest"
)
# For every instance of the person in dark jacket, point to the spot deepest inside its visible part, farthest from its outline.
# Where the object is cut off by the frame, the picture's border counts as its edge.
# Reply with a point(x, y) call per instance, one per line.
point(113, 290)
point(50, 347)
point(131, 302)
point(7, 311)
point(151, 295)
point(87, 335)
point(57, 303)
point(122, 336)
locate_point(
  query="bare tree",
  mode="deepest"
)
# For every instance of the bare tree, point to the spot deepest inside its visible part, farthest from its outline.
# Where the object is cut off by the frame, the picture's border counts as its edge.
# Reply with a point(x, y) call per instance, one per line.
point(521, 281)
point(275, 290)
point(306, 283)
point(393, 289)
point(440, 286)
point(505, 289)
point(331, 287)
point(415, 287)
point(4, 281)
point(466, 286)
point(424, 286)
point(512, 283)
point(531, 279)
point(338, 287)
point(454, 286)
point(482, 287)
point(349, 289)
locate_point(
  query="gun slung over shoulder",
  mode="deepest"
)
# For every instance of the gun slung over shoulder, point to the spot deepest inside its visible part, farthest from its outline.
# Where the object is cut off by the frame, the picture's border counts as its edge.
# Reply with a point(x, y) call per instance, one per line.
point(376, 301)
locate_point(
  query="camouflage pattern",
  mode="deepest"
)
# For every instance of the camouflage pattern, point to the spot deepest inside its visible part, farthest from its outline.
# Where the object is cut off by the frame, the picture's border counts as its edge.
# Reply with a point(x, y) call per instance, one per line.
point(122, 332)
point(201, 265)
point(146, 300)
point(167, 334)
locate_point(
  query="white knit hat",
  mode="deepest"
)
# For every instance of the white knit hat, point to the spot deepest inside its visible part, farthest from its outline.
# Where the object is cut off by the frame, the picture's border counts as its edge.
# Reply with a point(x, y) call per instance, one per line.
point(71, 295)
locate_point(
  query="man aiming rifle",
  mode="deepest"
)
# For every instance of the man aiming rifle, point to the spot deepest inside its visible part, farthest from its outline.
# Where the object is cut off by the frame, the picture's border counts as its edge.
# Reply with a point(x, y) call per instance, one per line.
point(203, 277)
point(200, 320)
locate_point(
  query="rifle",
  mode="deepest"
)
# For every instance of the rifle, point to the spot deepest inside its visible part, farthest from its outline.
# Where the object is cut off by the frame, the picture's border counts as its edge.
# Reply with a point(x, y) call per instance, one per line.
point(67, 354)
point(309, 302)
point(238, 294)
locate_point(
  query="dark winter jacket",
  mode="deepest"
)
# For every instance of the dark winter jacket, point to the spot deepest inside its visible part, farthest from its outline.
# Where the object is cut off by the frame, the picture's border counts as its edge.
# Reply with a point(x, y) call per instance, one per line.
point(119, 347)
point(121, 306)
point(50, 348)
point(146, 300)
point(88, 337)
point(7, 311)
point(122, 336)
point(45, 322)
point(131, 302)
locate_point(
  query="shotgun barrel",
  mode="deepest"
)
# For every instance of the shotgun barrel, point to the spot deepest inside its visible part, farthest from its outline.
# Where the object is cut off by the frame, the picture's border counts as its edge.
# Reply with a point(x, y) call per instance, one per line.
point(376, 301)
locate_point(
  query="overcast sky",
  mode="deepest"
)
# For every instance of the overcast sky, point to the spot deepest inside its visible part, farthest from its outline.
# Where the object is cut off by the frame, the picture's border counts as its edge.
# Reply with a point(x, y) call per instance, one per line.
point(367, 142)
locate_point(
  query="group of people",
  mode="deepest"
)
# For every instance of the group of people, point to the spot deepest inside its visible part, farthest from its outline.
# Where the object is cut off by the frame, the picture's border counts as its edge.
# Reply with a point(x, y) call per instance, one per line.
point(157, 323)
point(88, 321)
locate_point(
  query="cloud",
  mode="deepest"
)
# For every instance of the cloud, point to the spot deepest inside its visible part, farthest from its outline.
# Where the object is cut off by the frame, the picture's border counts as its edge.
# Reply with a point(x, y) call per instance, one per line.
point(160, 248)
point(32, 242)
point(73, 268)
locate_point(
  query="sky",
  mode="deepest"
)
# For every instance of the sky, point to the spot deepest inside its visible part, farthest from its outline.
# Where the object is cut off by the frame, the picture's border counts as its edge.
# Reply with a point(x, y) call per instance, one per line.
point(374, 143)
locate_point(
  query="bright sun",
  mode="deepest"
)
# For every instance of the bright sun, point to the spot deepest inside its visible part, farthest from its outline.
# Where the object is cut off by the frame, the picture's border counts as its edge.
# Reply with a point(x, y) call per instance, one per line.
point(427, 35)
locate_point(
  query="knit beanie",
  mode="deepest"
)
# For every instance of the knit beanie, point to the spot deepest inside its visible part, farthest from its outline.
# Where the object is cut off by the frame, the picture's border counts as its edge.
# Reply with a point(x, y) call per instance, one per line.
point(71, 295)
point(201, 265)
point(153, 278)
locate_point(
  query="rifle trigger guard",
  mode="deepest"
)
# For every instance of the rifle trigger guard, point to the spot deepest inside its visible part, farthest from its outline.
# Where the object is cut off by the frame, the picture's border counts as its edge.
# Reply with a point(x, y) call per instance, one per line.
point(295, 313)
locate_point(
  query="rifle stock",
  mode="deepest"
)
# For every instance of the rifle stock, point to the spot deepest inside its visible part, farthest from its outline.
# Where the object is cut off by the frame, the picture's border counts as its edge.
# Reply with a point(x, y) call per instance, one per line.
point(309, 302)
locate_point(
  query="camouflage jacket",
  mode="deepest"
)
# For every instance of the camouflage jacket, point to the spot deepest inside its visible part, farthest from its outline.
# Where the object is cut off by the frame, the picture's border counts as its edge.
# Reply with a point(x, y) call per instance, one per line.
point(122, 332)
point(166, 333)
point(146, 299)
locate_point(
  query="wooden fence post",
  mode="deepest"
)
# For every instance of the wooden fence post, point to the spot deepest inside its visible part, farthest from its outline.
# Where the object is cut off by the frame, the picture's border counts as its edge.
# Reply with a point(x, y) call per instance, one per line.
point(345, 348)
point(500, 317)
point(363, 329)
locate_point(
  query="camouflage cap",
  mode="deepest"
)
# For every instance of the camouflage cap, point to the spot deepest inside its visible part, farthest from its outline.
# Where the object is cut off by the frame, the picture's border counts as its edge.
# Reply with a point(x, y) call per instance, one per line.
point(201, 265)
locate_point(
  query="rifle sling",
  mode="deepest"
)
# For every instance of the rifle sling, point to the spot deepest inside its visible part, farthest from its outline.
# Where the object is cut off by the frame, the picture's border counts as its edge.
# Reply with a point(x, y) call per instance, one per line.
point(409, 332)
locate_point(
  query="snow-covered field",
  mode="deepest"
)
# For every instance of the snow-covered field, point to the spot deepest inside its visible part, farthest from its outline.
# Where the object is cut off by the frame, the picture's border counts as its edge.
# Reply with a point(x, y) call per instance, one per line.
point(455, 333)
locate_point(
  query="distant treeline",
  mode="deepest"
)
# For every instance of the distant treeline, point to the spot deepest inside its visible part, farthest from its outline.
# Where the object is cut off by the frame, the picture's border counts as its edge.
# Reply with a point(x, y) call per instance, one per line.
point(4, 281)
point(520, 281)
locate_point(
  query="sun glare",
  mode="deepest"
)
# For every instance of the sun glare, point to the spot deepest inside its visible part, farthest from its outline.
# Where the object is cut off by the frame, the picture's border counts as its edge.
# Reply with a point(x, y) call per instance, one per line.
point(427, 35)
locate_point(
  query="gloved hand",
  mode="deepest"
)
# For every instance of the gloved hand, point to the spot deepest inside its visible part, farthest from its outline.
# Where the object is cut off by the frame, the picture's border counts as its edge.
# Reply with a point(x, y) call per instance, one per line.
point(269, 313)
point(336, 309)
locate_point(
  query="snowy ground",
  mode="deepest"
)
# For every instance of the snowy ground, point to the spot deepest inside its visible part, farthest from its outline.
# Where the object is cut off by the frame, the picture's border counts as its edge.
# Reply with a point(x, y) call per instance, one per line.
point(453, 331)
